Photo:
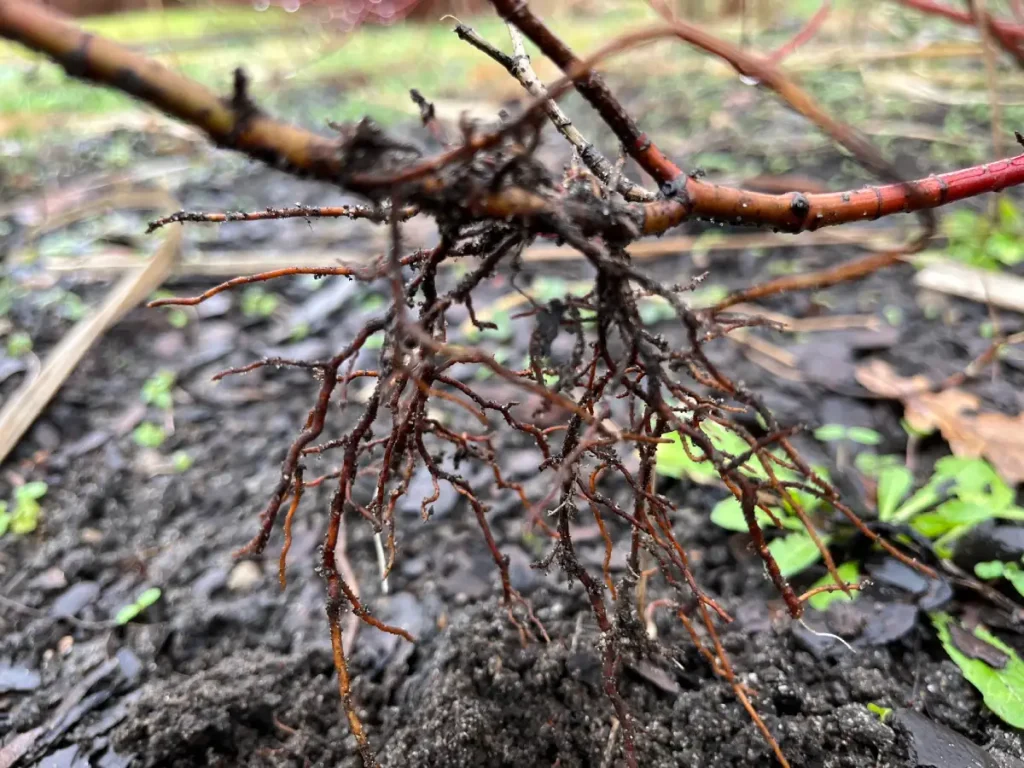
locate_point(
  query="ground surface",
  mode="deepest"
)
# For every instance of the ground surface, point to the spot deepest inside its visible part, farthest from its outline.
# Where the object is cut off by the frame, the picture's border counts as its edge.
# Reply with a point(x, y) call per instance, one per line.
point(226, 669)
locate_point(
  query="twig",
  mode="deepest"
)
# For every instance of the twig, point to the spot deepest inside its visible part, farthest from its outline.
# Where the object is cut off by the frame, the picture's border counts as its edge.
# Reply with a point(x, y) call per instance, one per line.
point(300, 211)
point(518, 65)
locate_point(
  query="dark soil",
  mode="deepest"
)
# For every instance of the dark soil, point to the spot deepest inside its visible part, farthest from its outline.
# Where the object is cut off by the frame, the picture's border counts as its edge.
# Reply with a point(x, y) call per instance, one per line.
point(226, 669)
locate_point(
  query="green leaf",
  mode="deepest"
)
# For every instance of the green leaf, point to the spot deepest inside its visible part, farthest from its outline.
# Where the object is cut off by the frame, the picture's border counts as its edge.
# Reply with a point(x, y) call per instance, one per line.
point(728, 514)
point(921, 500)
point(1006, 248)
point(828, 433)
point(975, 480)
point(894, 483)
point(1002, 689)
point(371, 303)
point(872, 464)
point(1015, 576)
point(1009, 215)
point(149, 435)
point(993, 569)
point(25, 518)
point(882, 712)
point(19, 344)
point(34, 490)
point(374, 341)
point(182, 461)
point(1011, 513)
point(794, 553)
point(545, 288)
point(257, 302)
point(672, 460)
point(126, 614)
point(148, 597)
point(848, 572)
point(864, 436)
point(965, 226)
point(178, 318)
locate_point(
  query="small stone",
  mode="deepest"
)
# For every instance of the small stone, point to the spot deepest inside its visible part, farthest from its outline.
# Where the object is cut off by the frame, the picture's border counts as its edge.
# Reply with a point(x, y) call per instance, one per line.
point(244, 576)
point(74, 599)
point(91, 536)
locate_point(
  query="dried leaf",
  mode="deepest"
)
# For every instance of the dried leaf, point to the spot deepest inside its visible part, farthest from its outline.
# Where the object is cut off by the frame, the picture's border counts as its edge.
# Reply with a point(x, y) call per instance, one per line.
point(955, 413)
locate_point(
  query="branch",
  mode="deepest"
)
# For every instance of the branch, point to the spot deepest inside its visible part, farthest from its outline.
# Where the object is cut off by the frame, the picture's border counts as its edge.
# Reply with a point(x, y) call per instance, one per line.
point(518, 65)
point(809, 30)
point(1009, 36)
point(298, 212)
point(236, 124)
point(591, 87)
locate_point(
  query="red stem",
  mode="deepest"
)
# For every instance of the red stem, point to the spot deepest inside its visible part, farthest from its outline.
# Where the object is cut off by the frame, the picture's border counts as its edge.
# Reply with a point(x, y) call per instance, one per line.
point(810, 29)
point(798, 212)
point(1009, 36)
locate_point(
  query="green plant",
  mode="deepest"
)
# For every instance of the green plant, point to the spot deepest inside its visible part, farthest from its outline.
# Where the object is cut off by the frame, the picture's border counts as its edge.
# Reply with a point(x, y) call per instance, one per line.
point(1002, 685)
point(298, 332)
point(983, 242)
point(157, 390)
point(142, 602)
point(19, 344)
point(829, 433)
point(995, 569)
point(872, 464)
point(149, 435)
point(960, 494)
point(849, 572)
point(182, 461)
point(795, 551)
point(258, 302)
point(882, 712)
point(25, 517)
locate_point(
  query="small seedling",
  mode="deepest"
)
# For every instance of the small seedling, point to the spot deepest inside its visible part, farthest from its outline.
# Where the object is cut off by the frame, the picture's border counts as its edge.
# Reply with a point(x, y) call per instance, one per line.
point(299, 332)
point(882, 712)
point(371, 303)
point(793, 552)
point(829, 433)
point(182, 461)
point(142, 602)
point(25, 516)
point(258, 303)
point(72, 307)
point(19, 344)
point(979, 241)
point(157, 390)
point(872, 464)
point(961, 494)
point(995, 569)
point(149, 435)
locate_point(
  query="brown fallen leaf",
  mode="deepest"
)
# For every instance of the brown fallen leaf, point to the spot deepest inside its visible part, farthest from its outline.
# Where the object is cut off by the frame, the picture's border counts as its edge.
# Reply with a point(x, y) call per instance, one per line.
point(957, 415)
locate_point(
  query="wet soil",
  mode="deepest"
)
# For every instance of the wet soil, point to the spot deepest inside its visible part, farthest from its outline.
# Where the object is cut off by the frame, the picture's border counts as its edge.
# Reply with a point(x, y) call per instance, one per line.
point(227, 669)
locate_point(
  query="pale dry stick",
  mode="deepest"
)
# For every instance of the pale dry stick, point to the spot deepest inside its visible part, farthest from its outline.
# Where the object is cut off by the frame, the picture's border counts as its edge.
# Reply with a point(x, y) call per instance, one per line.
point(295, 212)
point(341, 557)
point(1000, 290)
point(518, 65)
point(989, 56)
point(523, 72)
point(28, 401)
